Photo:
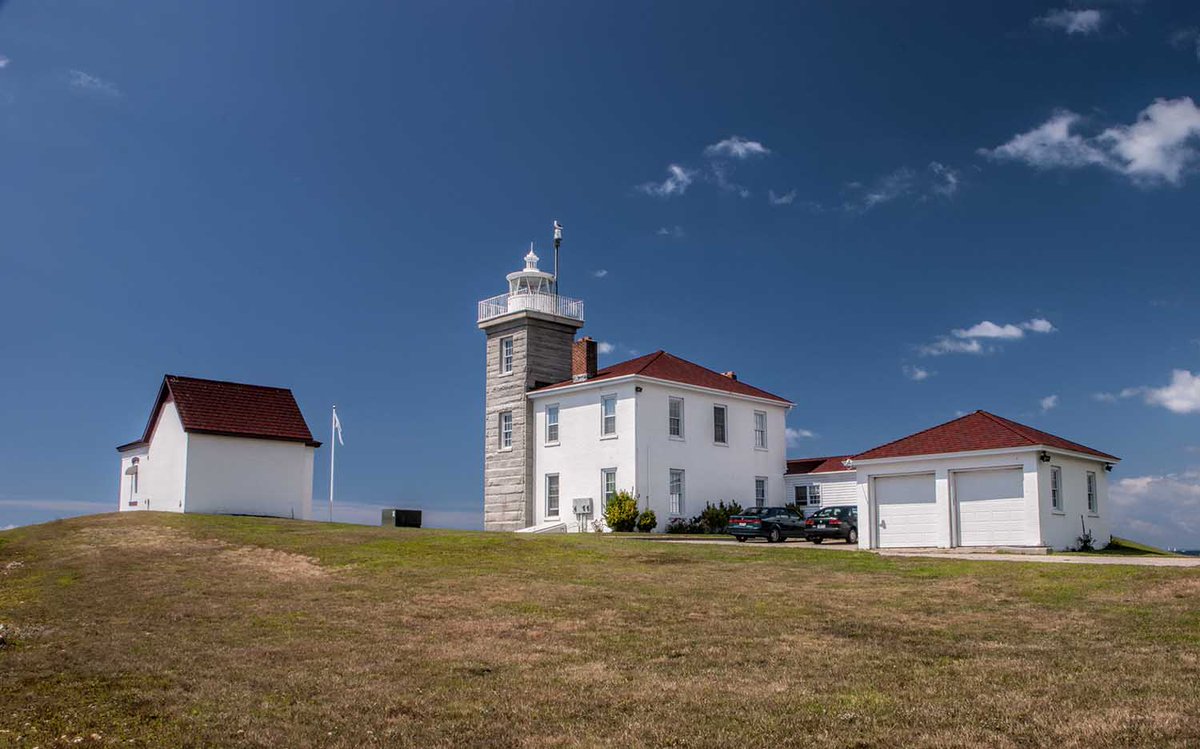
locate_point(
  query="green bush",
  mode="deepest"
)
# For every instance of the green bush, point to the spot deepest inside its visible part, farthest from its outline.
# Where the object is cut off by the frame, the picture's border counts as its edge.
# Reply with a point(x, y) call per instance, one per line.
point(647, 521)
point(621, 512)
point(715, 518)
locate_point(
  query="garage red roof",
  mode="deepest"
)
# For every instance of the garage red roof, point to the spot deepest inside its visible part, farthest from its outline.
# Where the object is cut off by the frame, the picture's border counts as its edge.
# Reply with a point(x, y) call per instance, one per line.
point(976, 431)
point(232, 409)
point(663, 366)
point(818, 465)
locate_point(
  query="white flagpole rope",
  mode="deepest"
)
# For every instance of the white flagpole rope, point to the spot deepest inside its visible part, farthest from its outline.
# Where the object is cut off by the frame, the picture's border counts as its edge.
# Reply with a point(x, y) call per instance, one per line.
point(332, 453)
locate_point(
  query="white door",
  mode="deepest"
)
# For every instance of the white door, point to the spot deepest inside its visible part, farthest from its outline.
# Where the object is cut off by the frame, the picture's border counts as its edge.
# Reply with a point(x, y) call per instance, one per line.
point(991, 507)
point(905, 511)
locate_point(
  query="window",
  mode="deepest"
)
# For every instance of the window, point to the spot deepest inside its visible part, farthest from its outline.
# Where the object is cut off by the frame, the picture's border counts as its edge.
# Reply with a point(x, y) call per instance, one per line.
point(506, 355)
point(675, 418)
point(1056, 500)
point(808, 495)
point(760, 492)
point(506, 430)
point(1093, 503)
point(760, 429)
point(608, 484)
point(608, 415)
point(675, 489)
point(552, 495)
point(719, 425)
point(552, 423)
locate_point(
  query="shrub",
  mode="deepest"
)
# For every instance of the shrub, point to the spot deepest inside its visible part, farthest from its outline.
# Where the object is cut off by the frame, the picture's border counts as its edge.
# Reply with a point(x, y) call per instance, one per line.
point(680, 525)
point(715, 518)
point(1085, 542)
point(647, 521)
point(621, 512)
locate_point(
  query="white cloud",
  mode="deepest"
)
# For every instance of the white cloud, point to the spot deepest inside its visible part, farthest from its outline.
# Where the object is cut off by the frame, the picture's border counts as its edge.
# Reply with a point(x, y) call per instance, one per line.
point(1158, 147)
point(945, 179)
point(885, 189)
point(4, 61)
point(737, 147)
point(604, 347)
point(1039, 325)
point(1162, 510)
point(677, 182)
point(86, 82)
point(1049, 402)
point(1105, 397)
point(1187, 39)
point(1072, 21)
point(1182, 396)
point(795, 436)
point(720, 175)
point(674, 232)
point(916, 374)
point(600, 273)
point(785, 199)
point(989, 329)
point(8, 527)
point(946, 345)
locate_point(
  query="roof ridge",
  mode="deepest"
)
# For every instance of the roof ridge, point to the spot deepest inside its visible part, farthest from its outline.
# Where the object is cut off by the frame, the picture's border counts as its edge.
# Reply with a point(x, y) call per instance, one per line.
point(1009, 425)
point(168, 377)
point(914, 434)
point(653, 357)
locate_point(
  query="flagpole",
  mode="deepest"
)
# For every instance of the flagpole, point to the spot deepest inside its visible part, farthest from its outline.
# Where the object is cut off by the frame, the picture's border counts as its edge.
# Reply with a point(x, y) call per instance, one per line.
point(332, 453)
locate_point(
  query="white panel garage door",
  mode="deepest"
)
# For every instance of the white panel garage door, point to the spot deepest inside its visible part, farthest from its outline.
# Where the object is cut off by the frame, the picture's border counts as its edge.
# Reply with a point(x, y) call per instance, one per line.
point(907, 511)
point(991, 507)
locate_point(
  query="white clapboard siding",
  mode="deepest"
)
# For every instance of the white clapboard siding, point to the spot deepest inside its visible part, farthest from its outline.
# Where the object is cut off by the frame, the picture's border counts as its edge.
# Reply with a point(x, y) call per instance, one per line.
point(837, 489)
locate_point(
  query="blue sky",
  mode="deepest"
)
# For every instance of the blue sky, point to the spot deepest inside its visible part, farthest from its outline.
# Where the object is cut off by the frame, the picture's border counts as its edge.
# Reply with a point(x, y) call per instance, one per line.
point(889, 214)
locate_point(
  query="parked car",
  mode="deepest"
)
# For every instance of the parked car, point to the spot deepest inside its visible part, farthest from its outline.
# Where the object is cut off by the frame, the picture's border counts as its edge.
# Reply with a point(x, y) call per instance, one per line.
point(775, 524)
point(833, 522)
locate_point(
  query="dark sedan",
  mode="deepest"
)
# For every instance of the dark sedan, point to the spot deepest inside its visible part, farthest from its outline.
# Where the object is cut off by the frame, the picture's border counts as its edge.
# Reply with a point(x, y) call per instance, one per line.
point(772, 523)
point(832, 522)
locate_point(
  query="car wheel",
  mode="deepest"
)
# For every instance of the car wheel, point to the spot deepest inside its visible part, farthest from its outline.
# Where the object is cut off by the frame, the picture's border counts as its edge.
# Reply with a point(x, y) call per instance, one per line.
point(817, 539)
point(774, 536)
point(741, 539)
point(852, 536)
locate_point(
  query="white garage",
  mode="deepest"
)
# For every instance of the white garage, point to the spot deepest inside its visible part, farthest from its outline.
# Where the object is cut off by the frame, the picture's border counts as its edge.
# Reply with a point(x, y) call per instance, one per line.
point(906, 511)
point(990, 506)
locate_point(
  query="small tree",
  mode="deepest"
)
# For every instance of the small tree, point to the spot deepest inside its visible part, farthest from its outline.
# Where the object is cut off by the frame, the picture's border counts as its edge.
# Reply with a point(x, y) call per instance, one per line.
point(621, 512)
point(647, 521)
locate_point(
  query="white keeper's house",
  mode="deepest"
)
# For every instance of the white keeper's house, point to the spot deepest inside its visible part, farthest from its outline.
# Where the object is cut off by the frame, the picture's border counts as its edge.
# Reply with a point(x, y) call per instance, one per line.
point(562, 435)
point(220, 448)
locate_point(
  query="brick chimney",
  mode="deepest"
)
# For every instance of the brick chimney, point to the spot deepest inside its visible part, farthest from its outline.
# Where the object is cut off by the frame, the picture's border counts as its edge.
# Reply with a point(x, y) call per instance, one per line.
point(583, 359)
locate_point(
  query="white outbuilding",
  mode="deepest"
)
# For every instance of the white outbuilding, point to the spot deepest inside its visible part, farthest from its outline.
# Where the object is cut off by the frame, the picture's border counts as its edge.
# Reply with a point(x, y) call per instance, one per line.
point(220, 448)
point(982, 480)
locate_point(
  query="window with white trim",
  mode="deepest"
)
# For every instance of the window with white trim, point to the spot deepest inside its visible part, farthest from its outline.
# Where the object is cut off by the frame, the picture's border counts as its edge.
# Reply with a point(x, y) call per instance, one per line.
point(675, 417)
point(506, 355)
point(1056, 496)
point(551, 495)
point(760, 492)
point(808, 495)
point(552, 423)
point(720, 417)
point(506, 430)
point(1093, 502)
point(675, 491)
point(760, 430)
point(608, 484)
point(608, 415)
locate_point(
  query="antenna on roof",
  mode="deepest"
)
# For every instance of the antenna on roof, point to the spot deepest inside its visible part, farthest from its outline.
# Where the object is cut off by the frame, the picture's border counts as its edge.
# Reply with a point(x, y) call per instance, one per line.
point(557, 243)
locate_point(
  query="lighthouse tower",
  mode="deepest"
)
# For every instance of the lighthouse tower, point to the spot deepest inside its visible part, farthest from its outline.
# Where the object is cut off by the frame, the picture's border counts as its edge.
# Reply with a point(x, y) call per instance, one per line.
point(530, 332)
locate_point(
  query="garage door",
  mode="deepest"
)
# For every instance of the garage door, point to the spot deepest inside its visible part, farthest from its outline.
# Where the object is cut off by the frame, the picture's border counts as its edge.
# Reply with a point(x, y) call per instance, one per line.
point(991, 507)
point(906, 511)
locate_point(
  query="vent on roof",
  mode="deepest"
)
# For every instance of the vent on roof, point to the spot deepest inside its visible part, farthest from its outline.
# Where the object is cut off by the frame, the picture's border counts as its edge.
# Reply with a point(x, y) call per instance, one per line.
point(731, 375)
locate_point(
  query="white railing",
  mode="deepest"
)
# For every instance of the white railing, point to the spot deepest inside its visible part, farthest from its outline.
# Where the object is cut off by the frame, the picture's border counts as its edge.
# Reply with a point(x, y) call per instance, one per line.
point(550, 304)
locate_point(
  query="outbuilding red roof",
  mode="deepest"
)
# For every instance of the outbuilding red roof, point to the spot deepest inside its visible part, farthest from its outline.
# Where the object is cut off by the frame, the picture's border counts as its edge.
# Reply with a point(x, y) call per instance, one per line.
point(232, 409)
point(663, 366)
point(818, 465)
point(976, 431)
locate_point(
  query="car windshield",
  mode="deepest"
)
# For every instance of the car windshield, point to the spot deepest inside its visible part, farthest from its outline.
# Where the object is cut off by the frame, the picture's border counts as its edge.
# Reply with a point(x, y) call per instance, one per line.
point(757, 511)
point(827, 512)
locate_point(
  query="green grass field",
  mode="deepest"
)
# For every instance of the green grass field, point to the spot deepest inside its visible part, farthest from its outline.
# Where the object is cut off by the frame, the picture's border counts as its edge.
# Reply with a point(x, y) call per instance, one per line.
point(159, 630)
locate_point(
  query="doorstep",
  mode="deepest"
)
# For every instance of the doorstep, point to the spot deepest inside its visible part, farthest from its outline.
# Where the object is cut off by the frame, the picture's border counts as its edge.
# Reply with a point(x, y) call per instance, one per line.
point(926, 551)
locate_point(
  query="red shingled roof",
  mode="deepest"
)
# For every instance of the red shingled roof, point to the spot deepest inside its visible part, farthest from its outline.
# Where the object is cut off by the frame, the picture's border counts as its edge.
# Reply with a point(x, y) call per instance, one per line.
point(818, 465)
point(976, 431)
point(663, 366)
point(232, 409)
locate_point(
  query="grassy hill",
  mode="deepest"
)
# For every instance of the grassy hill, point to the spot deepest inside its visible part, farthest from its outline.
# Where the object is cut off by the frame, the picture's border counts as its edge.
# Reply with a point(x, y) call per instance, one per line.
point(157, 630)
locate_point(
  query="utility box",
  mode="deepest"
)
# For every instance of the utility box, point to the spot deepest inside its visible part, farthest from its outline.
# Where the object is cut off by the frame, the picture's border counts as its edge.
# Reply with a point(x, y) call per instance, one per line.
point(402, 518)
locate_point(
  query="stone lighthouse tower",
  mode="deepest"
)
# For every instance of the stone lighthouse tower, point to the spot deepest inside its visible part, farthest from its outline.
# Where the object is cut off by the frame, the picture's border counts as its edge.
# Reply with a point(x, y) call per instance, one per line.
point(530, 332)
